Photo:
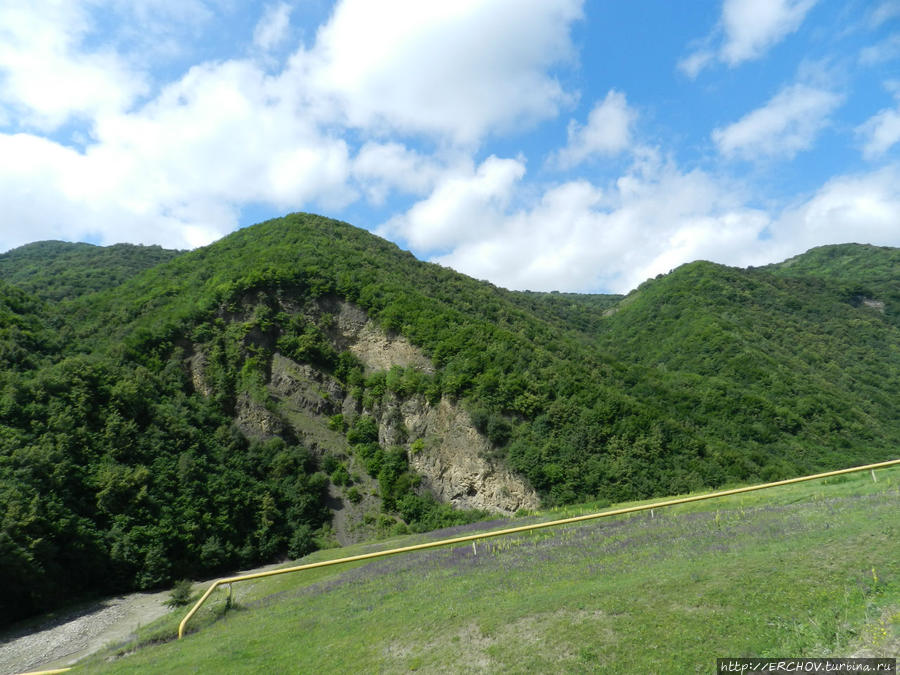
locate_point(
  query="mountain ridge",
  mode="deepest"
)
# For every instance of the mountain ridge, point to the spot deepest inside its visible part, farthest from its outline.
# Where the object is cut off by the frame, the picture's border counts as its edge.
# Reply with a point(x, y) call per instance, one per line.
point(125, 467)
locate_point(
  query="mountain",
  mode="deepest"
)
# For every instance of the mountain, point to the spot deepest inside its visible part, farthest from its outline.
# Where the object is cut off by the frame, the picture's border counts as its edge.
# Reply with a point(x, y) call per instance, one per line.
point(302, 383)
point(867, 275)
point(57, 270)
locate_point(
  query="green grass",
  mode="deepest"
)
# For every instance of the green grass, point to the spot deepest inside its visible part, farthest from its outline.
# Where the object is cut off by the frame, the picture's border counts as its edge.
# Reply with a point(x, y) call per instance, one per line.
point(803, 570)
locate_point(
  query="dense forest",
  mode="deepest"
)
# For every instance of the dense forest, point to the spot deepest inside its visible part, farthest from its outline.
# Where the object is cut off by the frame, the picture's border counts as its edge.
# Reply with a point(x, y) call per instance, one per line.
point(116, 473)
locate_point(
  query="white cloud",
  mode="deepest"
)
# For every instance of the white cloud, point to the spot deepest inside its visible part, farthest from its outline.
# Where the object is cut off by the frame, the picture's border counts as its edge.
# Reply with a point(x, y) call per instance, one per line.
point(464, 203)
point(227, 133)
point(384, 167)
point(881, 132)
point(155, 31)
point(273, 27)
point(748, 29)
point(458, 70)
point(41, 188)
point(395, 100)
point(692, 64)
point(785, 125)
point(859, 208)
point(177, 170)
point(754, 26)
point(48, 75)
point(607, 132)
point(579, 236)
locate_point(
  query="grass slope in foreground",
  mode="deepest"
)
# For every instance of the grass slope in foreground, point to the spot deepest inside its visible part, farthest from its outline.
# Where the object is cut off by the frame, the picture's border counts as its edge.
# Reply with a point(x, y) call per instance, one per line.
point(805, 570)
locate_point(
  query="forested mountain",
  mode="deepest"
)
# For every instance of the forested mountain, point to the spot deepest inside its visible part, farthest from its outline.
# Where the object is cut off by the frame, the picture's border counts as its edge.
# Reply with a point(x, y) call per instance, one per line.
point(165, 414)
point(866, 275)
point(57, 270)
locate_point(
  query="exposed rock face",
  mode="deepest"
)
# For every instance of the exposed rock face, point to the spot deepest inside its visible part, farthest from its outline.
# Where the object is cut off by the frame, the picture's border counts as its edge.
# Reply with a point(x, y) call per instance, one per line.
point(452, 460)
point(197, 369)
point(305, 387)
point(255, 420)
point(442, 444)
point(354, 331)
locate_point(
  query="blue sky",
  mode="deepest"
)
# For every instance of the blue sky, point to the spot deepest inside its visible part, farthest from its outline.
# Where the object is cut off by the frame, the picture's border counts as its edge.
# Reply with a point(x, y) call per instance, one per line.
point(544, 145)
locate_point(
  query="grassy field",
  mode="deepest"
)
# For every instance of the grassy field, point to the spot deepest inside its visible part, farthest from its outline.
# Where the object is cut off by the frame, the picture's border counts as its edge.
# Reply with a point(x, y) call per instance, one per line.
point(804, 570)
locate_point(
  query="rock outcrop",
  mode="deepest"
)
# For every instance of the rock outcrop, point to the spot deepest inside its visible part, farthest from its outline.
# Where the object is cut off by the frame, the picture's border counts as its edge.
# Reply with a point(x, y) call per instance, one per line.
point(453, 460)
point(442, 444)
point(255, 420)
point(354, 331)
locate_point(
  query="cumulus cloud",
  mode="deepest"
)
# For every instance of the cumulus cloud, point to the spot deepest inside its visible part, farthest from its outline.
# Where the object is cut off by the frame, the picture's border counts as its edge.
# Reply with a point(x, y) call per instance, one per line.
point(458, 70)
point(397, 102)
point(226, 133)
point(48, 193)
point(754, 26)
point(223, 135)
point(747, 29)
point(608, 131)
point(785, 125)
point(580, 237)
point(577, 235)
point(48, 74)
point(854, 208)
point(382, 168)
point(230, 131)
point(465, 203)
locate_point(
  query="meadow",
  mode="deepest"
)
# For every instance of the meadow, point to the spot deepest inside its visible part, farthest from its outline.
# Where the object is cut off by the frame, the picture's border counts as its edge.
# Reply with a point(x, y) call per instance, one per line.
point(802, 570)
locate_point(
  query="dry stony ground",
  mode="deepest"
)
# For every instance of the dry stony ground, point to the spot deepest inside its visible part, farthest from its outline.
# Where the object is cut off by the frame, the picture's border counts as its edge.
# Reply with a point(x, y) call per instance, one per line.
point(74, 634)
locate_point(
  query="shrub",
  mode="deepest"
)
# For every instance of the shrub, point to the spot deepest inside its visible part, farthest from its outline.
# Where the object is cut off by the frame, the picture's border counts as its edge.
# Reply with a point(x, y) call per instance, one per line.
point(330, 462)
point(340, 476)
point(336, 423)
point(364, 430)
point(181, 594)
point(301, 542)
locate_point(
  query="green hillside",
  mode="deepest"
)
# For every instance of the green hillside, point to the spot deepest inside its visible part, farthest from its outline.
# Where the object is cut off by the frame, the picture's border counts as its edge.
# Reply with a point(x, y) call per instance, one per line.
point(24, 333)
point(867, 275)
point(790, 367)
point(120, 471)
point(57, 270)
point(862, 264)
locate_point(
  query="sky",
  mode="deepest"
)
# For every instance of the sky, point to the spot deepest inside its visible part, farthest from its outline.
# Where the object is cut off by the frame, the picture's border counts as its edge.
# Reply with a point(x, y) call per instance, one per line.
point(563, 145)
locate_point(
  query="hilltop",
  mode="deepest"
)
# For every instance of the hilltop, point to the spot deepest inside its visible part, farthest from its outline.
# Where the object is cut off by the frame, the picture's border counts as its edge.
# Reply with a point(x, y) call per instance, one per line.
point(58, 270)
point(302, 383)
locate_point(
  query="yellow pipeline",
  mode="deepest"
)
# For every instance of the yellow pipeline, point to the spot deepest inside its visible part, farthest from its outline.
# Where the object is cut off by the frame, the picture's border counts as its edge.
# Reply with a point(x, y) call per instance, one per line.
point(522, 528)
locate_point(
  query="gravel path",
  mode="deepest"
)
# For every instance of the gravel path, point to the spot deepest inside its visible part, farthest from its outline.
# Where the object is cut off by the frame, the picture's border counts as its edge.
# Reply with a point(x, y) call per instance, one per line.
point(78, 632)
